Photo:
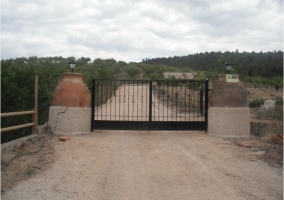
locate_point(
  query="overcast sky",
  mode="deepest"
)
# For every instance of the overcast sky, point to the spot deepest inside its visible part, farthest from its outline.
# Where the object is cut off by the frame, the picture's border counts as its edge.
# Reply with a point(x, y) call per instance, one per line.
point(130, 30)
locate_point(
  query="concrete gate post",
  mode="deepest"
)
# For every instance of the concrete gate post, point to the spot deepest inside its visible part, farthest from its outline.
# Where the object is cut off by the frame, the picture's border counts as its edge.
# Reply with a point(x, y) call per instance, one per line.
point(70, 111)
point(228, 112)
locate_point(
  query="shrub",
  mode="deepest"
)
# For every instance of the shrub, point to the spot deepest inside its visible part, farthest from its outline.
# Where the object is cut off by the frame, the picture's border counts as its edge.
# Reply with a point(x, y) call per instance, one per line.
point(279, 101)
point(256, 103)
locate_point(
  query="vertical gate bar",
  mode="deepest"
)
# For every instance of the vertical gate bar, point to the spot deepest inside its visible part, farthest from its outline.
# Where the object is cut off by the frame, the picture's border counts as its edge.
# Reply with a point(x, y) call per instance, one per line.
point(158, 104)
point(201, 101)
point(156, 113)
point(119, 100)
point(107, 92)
point(193, 100)
point(142, 102)
point(172, 101)
point(206, 104)
point(132, 87)
point(160, 113)
point(175, 95)
point(168, 105)
point(144, 118)
point(133, 102)
point(104, 91)
point(185, 99)
point(146, 100)
point(189, 100)
point(124, 100)
point(93, 105)
point(104, 99)
point(110, 97)
point(163, 93)
point(129, 82)
point(99, 87)
point(153, 105)
point(97, 90)
point(137, 90)
point(114, 99)
point(150, 103)
point(137, 101)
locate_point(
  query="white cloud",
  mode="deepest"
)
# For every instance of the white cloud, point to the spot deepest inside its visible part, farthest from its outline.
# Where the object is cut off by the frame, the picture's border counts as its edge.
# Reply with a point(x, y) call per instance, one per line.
point(131, 30)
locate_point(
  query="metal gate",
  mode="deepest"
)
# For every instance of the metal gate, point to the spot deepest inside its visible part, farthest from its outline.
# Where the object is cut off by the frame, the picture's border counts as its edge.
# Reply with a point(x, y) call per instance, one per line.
point(149, 105)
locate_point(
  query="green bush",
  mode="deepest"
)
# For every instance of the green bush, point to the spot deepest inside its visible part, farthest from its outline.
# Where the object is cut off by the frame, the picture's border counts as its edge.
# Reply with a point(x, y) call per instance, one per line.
point(256, 103)
point(279, 101)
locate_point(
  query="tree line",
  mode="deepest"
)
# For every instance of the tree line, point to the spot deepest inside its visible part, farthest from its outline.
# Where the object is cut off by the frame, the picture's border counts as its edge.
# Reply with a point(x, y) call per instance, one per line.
point(262, 64)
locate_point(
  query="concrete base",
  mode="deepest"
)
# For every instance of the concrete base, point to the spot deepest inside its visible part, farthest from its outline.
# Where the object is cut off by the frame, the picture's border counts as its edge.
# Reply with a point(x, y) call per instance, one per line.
point(69, 120)
point(229, 122)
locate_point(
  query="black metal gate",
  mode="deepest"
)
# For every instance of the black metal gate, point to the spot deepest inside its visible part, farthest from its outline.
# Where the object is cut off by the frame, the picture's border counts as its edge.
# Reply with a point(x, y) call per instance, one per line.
point(149, 105)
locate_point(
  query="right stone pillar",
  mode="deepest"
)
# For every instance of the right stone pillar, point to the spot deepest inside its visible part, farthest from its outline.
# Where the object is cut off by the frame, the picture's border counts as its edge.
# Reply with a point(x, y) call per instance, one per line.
point(228, 112)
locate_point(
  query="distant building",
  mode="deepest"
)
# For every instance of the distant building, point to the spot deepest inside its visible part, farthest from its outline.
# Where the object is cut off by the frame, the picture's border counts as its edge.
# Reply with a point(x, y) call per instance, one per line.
point(178, 75)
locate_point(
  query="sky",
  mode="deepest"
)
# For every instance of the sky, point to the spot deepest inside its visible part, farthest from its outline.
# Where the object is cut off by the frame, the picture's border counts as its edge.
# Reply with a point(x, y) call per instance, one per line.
point(132, 30)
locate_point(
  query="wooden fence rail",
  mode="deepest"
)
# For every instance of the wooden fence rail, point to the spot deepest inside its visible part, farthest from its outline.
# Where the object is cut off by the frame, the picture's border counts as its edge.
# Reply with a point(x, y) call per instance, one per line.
point(33, 112)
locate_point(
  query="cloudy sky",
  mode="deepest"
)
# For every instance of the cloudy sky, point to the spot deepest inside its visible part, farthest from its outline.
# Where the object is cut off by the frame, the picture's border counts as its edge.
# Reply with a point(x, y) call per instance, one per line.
point(131, 30)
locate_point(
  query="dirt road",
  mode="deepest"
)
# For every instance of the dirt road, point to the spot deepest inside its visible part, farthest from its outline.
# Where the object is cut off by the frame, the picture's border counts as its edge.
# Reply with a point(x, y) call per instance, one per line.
point(156, 165)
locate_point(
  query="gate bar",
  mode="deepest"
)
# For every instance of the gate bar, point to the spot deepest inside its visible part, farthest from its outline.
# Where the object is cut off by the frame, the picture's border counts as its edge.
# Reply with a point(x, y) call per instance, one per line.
point(150, 103)
point(93, 104)
point(206, 103)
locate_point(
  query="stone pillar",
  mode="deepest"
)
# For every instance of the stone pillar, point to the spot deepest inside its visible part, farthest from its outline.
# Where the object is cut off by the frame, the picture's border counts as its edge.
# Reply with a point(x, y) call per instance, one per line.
point(70, 111)
point(228, 112)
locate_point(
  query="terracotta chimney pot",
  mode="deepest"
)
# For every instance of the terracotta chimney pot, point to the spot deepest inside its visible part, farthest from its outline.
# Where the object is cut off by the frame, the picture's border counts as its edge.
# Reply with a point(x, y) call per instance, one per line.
point(71, 91)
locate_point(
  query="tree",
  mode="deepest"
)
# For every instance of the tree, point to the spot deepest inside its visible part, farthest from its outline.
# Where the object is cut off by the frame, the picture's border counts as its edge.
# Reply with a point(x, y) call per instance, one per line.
point(132, 71)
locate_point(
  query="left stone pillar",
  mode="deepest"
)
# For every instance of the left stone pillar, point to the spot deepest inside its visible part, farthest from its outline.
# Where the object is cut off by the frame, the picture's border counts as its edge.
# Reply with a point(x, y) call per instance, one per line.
point(70, 111)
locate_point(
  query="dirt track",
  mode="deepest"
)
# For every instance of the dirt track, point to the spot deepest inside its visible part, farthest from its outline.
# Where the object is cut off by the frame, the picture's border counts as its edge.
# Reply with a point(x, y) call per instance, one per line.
point(155, 165)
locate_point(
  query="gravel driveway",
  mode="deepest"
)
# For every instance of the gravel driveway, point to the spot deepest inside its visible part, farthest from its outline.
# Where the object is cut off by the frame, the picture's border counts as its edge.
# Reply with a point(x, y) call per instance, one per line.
point(156, 165)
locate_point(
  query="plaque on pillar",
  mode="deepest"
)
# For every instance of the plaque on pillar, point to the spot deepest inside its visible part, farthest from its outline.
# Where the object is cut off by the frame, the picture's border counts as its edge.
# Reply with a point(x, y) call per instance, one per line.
point(232, 78)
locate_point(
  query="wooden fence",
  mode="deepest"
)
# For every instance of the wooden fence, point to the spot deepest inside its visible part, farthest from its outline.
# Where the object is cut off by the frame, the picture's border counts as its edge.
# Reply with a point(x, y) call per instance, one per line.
point(34, 112)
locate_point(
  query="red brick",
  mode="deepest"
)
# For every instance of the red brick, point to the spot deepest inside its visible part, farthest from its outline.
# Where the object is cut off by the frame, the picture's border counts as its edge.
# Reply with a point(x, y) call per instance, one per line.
point(276, 139)
point(280, 136)
point(243, 144)
point(64, 138)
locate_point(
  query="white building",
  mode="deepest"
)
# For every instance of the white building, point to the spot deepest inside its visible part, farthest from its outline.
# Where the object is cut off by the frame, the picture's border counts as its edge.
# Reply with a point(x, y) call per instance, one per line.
point(179, 75)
